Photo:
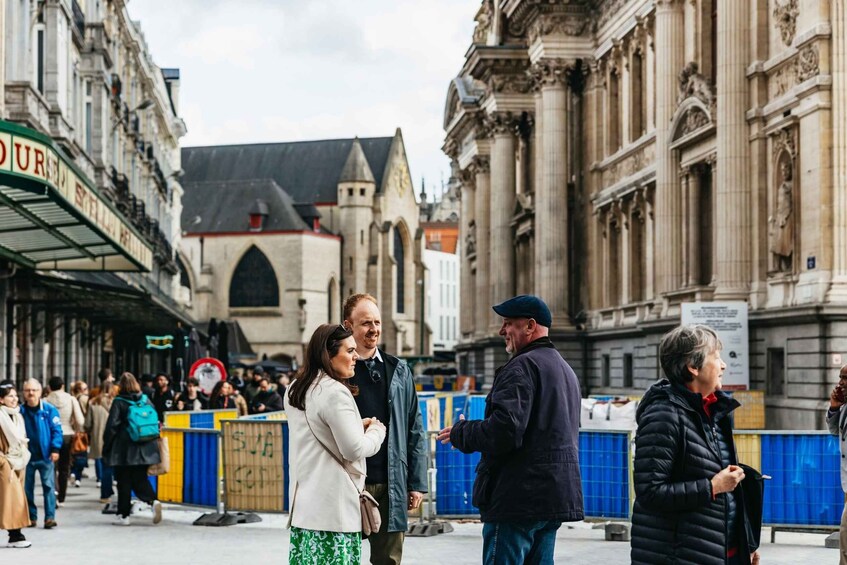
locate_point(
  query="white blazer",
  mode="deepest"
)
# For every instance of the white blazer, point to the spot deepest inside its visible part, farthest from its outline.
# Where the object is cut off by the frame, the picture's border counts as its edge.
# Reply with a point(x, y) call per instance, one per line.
point(321, 496)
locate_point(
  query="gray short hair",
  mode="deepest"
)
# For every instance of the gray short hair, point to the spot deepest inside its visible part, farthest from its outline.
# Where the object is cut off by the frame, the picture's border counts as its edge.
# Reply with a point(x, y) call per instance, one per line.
point(684, 346)
point(31, 381)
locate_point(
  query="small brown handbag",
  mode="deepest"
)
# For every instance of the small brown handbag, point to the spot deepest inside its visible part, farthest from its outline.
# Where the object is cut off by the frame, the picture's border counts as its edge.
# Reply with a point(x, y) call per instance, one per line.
point(80, 443)
point(368, 506)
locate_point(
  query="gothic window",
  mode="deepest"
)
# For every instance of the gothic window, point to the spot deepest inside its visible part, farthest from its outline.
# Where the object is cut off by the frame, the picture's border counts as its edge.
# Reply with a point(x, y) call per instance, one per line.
point(400, 260)
point(254, 282)
point(184, 279)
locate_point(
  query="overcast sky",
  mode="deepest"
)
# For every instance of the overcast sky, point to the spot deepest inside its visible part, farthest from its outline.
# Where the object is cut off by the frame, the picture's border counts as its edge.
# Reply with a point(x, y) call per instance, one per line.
point(290, 70)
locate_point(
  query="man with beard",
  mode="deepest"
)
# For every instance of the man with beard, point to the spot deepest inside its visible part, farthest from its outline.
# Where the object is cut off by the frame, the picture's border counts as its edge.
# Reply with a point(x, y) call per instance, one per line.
point(396, 475)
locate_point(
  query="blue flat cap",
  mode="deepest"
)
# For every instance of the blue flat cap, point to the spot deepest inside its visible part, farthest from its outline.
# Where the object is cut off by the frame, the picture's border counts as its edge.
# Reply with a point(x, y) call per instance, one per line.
point(526, 306)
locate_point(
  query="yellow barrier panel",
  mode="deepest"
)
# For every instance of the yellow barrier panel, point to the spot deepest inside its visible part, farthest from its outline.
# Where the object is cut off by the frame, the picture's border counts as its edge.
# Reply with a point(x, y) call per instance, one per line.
point(749, 449)
point(751, 414)
point(170, 484)
point(224, 415)
point(179, 420)
point(253, 465)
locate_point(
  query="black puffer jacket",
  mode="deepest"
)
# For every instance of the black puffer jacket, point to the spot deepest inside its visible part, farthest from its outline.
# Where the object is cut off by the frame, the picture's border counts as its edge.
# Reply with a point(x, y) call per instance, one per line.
point(118, 448)
point(675, 520)
point(529, 440)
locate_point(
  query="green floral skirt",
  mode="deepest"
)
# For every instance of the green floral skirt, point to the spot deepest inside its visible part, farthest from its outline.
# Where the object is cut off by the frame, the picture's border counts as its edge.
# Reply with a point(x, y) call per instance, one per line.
point(310, 547)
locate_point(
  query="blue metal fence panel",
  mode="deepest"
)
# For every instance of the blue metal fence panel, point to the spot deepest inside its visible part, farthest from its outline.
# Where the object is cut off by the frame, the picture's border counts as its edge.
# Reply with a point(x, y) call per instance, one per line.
point(476, 408)
point(202, 421)
point(200, 484)
point(454, 480)
point(604, 468)
point(805, 487)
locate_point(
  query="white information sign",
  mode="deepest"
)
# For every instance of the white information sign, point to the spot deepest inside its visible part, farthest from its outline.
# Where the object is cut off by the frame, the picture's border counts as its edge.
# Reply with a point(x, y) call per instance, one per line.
point(729, 320)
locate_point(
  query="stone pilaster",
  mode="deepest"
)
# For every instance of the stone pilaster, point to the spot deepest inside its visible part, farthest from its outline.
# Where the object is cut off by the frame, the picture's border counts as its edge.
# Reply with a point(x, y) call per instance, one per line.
point(733, 255)
point(670, 41)
point(551, 203)
point(466, 242)
point(838, 16)
point(484, 316)
point(692, 220)
point(503, 127)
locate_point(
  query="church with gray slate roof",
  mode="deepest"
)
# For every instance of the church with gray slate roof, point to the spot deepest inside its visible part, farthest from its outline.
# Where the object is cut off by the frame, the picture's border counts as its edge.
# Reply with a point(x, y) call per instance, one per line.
point(276, 235)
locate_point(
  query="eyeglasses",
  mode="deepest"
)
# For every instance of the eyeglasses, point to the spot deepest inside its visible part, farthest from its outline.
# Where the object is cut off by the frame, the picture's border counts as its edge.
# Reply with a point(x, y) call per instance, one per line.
point(373, 371)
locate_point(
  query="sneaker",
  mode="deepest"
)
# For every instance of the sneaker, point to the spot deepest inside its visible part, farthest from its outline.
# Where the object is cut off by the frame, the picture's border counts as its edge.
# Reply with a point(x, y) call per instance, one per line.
point(60, 505)
point(139, 507)
point(157, 511)
point(104, 500)
point(98, 484)
point(121, 521)
point(77, 484)
point(50, 524)
point(32, 524)
point(20, 544)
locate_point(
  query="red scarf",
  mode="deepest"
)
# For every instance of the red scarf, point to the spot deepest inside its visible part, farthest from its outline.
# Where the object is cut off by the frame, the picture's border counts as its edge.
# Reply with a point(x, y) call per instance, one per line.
point(707, 404)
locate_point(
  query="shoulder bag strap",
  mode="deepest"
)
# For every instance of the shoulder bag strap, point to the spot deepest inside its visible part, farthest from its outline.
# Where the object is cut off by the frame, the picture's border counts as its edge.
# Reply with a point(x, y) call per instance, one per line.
point(334, 456)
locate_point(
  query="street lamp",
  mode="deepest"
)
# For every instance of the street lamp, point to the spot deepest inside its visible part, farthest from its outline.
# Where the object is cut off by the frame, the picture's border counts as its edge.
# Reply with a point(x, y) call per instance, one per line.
point(146, 103)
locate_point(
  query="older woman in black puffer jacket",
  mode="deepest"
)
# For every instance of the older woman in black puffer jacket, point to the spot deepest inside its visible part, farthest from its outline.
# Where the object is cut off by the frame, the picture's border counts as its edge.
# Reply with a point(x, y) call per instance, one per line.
point(688, 509)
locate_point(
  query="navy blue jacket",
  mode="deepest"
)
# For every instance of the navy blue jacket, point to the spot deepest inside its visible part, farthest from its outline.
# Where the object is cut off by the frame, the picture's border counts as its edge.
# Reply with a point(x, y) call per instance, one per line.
point(43, 428)
point(529, 440)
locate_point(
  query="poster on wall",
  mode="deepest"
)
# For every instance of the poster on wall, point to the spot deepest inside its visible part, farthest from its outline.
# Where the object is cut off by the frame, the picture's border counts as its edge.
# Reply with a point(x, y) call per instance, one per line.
point(729, 320)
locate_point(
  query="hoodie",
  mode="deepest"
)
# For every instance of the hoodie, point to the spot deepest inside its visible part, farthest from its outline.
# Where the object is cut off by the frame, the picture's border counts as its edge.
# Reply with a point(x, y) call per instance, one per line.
point(70, 412)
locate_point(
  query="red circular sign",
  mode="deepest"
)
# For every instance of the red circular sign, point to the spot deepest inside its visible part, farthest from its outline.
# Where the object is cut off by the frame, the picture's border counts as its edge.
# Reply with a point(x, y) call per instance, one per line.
point(208, 371)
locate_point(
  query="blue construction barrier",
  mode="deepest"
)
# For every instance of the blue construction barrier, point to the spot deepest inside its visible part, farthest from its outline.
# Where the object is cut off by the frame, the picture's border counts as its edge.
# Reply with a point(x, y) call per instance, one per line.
point(805, 485)
point(200, 472)
point(604, 468)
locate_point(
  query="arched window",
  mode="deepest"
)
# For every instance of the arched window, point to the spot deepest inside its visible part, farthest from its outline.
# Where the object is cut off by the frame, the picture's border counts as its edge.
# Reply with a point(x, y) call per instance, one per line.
point(254, 282)
point(400, 260)
point(184, 279)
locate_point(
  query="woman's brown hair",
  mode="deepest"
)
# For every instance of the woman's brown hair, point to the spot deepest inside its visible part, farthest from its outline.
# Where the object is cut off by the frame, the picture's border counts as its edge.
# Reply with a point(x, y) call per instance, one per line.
point(128, 384)
point(324, 345)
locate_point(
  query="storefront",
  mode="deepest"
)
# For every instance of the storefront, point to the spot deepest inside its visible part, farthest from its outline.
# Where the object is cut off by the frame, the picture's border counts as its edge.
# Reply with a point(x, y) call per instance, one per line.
point(76, 296)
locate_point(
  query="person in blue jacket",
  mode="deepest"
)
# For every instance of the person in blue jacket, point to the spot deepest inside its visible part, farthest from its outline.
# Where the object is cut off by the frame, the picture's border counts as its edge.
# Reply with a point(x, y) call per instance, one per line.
point(44, 430)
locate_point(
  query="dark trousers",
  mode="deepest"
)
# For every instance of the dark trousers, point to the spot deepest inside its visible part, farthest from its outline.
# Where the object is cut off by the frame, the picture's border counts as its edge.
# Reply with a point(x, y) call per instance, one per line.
point(104, 475)
point(63, 467)
point(505, 543)
point(386, 547)
point(132, 478)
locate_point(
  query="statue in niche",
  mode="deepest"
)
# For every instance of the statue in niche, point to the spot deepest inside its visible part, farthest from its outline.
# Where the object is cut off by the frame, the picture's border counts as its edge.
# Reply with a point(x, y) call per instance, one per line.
point(782, 221)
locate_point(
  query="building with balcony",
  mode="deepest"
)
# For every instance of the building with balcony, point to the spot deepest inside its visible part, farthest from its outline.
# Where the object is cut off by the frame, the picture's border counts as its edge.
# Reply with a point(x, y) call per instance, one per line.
point(620, 158)
point(89, 192)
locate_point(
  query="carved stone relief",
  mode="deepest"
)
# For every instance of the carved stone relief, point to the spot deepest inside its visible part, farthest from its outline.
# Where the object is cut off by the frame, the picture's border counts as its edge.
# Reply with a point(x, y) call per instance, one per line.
point(549, 71)
point(510, 84)
point(785, 17)
point(805, 65)
point(629, 166)
point(483, 22)
point(692, 83)
point(695, 119)
point(560, 24)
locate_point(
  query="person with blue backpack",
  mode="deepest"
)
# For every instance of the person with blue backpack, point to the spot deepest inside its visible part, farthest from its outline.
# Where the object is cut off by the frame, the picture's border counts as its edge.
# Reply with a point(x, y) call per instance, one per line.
point(130, 447)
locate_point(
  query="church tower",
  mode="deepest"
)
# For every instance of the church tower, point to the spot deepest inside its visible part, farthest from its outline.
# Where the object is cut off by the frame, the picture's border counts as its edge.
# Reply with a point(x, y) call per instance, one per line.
point(356, 190)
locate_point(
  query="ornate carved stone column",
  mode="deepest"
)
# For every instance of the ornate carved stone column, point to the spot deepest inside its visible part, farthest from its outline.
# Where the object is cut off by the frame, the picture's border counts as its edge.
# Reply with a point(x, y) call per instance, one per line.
point(838, 16)
point(503, 126)
point(483, 313)
point(551, 202)
point(467, 244)
point(669, 47)
point(734, 227)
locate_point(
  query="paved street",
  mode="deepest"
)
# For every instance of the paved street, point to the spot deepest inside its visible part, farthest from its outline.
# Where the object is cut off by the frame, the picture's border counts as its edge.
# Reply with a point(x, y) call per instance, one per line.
point(86, 536)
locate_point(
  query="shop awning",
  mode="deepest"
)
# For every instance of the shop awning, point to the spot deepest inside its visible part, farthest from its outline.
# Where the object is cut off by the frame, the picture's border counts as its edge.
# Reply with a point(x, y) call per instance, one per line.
point(53, 217)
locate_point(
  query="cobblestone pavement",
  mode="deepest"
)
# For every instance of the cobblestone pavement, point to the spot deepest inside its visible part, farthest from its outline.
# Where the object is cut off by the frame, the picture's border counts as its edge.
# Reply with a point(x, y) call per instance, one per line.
point(85, 536)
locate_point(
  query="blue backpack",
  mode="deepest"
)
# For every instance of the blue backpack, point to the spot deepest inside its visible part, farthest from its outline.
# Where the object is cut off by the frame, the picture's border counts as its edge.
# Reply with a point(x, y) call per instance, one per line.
point(142, 420)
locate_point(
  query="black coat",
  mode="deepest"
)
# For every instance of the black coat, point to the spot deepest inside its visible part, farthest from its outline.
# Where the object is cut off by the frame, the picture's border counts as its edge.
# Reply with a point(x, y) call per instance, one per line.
point(271, 400)
point(675, 519)
point(529, 440)
point(118, 448)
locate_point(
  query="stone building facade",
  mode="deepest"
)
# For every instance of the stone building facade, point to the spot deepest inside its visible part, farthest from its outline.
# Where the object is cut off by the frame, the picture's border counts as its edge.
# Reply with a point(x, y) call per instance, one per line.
point(622, 157)
point(329, 218)
point(91, 222)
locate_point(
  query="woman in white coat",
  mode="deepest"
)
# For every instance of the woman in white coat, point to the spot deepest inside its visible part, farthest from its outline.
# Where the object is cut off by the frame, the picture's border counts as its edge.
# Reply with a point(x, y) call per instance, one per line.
point(324, 516)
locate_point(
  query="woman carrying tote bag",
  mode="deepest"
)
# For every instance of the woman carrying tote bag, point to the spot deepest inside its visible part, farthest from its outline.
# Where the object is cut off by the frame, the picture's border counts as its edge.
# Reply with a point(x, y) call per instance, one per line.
point(329, 444)
point(14, 456)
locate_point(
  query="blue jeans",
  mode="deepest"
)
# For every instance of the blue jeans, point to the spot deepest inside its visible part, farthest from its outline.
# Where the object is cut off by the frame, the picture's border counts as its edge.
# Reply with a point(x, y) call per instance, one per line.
point(508, 543)
point(46, 470)
point(104, 475)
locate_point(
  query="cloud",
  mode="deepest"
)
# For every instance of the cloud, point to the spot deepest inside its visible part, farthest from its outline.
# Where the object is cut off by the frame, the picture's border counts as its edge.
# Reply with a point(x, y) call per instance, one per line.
point(285, 70)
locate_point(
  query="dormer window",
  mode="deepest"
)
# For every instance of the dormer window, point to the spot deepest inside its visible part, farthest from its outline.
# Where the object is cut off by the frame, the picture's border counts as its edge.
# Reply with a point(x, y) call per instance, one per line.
point(258, 215)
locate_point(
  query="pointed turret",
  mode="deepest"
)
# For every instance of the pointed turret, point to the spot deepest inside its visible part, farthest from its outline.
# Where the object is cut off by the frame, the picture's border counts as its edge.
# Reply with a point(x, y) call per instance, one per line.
point(356, 169)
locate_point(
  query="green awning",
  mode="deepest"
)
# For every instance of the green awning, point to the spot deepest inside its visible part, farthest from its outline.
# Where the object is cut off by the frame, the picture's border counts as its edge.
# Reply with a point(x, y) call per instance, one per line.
point(53, 217)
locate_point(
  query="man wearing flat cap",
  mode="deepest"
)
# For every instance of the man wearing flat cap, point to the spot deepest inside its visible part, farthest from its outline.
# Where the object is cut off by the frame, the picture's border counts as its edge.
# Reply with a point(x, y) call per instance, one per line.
point(528, 479)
